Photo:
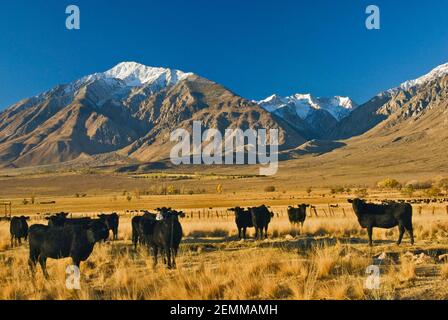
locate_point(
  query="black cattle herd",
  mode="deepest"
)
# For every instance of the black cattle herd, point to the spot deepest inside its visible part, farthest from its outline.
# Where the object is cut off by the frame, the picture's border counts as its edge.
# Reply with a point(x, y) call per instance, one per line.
point(75, 238)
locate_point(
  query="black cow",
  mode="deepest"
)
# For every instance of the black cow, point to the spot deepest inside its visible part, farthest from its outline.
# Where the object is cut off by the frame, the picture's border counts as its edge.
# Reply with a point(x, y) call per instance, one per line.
point(112, 221)
point(74, 241)
point(243, 220)
point(18, 229)
point(165, 234)
point(385, 216)
point(261, 217)
point(138, 226)
point(297, 215)
point(60, 220)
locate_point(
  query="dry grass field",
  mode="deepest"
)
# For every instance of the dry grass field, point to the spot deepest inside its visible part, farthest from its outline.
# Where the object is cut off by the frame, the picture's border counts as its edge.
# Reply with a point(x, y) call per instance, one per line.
point(327, 259)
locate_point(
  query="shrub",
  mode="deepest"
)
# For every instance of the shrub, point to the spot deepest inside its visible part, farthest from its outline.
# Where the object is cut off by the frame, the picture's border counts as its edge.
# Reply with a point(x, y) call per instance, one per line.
point(408, 191)
point(419, 185)
point(309, 190)
point(336, 190)
point(433, 192)
point(172, 190)
point(389, 184)
point(269, 189)
point(361, 193)
point(443, 184)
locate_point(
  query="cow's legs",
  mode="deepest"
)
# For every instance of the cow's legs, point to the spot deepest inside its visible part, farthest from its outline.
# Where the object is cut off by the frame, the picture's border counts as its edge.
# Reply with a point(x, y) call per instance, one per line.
point(173, 255)
point(163, 255)
point(43, 265)
point(370, 233)
point(155, 252)
point(20, 241)
point(402, 230)
point(266, 232)
point(115, 231)
point(12, 241)
point(134, 241)
point(32, 261)
point(239, 232)
point(244, 233)
point(168, 255)
point(76, 262)
point(411, 234)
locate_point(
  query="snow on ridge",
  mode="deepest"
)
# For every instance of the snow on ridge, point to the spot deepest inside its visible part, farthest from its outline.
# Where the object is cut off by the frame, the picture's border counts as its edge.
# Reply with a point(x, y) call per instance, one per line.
point(303, 104)
point(436, 73)
point(136, 74)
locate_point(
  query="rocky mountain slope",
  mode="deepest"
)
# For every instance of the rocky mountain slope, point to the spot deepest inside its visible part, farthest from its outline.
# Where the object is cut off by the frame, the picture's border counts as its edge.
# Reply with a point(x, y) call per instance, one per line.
point(128, 113)
point(130, 109)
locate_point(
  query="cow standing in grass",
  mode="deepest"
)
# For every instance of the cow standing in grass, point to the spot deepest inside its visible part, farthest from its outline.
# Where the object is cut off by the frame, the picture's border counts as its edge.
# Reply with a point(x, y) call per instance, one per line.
point(74, 241)
point(261, 217)
point(139, 224)
point(18, 229)
point(61, 219)
point(243, 220)
point(165, 234)
point(297, 215)
point(385, 216)
point(112, 222)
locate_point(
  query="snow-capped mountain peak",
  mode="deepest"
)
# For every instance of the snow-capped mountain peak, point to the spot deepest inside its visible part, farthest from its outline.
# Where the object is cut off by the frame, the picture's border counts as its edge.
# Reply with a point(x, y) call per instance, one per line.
point(133, 74)
point(436, 73)
point(303, 105)
point(136, 74)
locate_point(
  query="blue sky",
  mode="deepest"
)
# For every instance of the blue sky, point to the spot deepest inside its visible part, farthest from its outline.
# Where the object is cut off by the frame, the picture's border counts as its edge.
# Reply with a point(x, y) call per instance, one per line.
point(254, 48)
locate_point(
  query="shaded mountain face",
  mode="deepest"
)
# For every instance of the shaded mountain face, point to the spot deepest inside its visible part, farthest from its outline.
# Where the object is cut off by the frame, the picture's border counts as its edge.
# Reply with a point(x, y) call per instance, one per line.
point(389, 104)
point(131, 110)
point(411, 141)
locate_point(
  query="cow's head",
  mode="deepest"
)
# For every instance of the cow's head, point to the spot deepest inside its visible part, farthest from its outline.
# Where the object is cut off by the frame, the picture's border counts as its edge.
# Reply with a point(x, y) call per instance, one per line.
point(163, 209)
point(238, 211)
point(62, 214)
point(97, 231)
point(56, 221)
point(356, 202)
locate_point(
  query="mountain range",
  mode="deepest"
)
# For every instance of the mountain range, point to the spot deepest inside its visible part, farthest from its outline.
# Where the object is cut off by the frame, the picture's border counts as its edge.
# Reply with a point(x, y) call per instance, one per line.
point(129, 111)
